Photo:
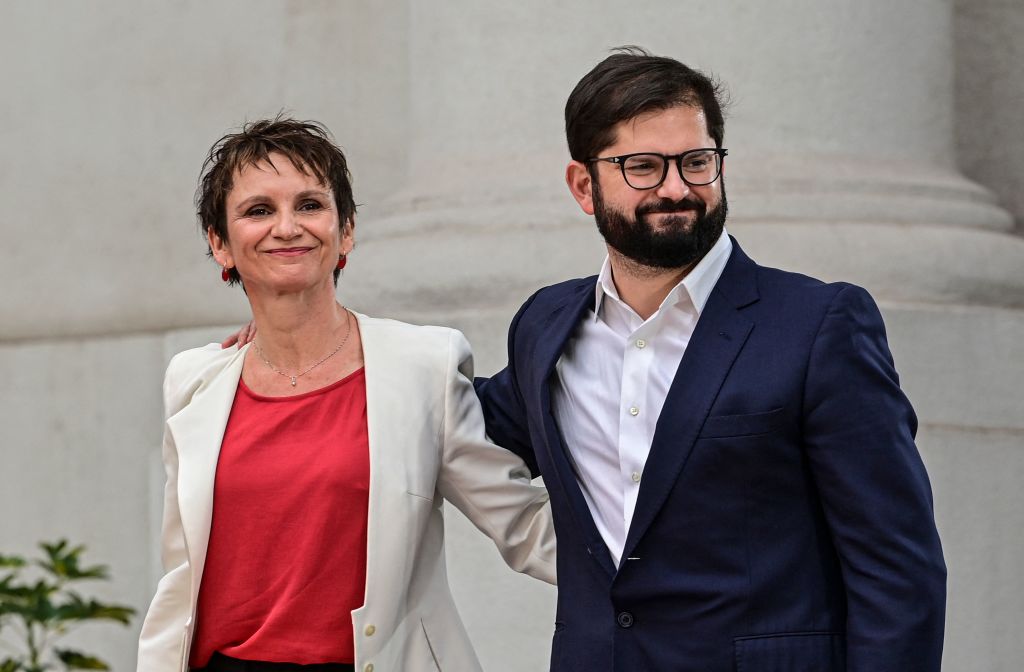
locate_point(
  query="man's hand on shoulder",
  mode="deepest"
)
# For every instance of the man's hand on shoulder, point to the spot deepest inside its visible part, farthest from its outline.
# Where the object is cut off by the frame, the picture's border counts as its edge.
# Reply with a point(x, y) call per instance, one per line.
point(244, 335)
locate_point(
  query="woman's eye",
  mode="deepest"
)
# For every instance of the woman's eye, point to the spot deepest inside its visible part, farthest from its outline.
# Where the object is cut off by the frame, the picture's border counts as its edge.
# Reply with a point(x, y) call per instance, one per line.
point(310, 205)
point(257, 211)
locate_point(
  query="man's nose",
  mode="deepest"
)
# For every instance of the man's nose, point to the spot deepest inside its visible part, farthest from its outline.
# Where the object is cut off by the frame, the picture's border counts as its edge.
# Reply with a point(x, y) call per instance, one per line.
point(673, 187)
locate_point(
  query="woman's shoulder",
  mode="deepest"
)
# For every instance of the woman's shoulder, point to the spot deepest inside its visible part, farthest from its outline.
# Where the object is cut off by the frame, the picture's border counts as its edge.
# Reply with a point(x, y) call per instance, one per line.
point(426, 347)
point(191, 369)
point(424, 334)
point(195, 360)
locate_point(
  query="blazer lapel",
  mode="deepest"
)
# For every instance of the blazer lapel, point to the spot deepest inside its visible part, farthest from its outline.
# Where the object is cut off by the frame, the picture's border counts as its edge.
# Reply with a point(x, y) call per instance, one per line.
point(551, 341)
point(198, 430)
point(718, 338)
point(387, 404)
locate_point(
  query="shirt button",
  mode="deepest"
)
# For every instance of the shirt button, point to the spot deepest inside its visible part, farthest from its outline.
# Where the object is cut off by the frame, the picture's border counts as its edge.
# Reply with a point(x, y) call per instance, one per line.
point(634, 411)
point(641, 343)
point(624, 619)
point(368, 668)
point(370, 630)
point(636, 476)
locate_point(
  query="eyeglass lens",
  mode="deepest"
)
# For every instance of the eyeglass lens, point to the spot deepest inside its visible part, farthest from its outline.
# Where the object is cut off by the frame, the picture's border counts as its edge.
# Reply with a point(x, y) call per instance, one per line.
point(646, 171)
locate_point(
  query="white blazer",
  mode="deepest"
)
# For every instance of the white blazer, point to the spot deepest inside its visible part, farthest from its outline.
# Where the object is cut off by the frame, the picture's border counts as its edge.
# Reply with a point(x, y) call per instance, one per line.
point(426, 436)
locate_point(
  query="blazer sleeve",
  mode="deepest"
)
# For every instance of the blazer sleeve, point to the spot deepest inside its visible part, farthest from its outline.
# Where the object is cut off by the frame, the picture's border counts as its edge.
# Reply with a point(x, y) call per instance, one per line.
point(859, 432)
point(502, 401)
point(163, 635)
point(489, 484)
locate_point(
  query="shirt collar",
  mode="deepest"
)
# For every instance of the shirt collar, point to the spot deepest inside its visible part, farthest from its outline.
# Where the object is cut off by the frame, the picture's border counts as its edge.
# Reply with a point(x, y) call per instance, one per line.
point(696, 287)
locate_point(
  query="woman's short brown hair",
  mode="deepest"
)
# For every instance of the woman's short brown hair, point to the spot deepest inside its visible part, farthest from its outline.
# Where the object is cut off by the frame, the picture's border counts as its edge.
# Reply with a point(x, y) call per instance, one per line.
point(307, 144)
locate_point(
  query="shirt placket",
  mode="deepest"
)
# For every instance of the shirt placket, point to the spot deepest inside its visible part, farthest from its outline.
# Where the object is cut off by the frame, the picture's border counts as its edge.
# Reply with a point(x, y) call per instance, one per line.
point(634, 439)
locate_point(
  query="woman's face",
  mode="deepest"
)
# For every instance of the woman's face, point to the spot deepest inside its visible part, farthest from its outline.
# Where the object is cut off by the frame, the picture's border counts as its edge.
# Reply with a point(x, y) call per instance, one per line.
point(283, 229)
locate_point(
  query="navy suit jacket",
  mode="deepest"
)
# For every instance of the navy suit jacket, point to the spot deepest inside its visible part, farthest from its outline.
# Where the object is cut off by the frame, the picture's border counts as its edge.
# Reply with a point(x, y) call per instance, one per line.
point(784, 521)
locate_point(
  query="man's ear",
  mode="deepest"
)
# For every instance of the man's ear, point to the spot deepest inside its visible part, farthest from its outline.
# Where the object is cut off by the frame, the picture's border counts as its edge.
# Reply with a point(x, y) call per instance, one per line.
point(221, 253)
point(577, 176)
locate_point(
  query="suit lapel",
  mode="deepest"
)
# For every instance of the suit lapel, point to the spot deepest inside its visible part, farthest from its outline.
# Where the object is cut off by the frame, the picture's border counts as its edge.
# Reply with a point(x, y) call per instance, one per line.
point(198, 430)
point(552, 339)
point(717, 340)
point(554, 334)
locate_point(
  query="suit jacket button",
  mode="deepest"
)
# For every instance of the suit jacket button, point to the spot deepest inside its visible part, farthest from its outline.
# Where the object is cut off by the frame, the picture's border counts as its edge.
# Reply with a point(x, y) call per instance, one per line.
point(370, 630)
point(625, 619)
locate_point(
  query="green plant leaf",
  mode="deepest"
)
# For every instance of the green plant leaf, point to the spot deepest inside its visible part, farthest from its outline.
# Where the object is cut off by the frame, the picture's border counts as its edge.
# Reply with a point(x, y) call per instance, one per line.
point(31, 602)
point(75, 660)
point(62, 562)
point(47, 607)
point(78, 609)
point(11, 561)
point(12, 590)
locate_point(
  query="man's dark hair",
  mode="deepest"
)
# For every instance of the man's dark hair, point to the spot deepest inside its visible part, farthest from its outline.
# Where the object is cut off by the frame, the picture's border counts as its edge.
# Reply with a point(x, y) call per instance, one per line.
point(307, 144)
point(631, 82)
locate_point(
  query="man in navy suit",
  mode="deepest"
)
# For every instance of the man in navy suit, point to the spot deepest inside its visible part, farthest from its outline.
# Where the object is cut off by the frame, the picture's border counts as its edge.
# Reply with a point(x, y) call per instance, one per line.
point(730, 458)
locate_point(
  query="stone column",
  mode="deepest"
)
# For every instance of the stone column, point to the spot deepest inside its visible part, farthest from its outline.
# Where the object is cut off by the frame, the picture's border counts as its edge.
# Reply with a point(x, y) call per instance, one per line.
point(990, 95)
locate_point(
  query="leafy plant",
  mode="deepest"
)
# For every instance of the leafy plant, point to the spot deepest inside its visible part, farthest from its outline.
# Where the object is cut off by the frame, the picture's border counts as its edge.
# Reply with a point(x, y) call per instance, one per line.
point(39, 607)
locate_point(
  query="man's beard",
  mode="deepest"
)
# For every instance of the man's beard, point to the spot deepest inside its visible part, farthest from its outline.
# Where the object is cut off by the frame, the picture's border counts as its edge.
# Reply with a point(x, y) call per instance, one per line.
point(673, 244)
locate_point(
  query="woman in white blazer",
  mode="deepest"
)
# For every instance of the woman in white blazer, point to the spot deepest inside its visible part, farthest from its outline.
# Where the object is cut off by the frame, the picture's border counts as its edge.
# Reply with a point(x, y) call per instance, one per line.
point(257, 469)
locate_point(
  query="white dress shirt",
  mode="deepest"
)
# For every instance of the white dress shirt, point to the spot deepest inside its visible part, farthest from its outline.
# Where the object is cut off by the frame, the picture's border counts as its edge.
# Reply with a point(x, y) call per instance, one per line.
point(613, 377)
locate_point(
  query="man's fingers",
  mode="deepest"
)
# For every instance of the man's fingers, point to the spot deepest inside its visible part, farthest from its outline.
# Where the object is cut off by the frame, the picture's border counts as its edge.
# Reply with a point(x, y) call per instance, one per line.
point(247, 333)
point(240, 337)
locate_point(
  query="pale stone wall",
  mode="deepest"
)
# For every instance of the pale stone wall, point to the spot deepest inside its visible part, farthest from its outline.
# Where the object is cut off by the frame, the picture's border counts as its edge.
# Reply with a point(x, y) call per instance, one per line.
point(849, 125)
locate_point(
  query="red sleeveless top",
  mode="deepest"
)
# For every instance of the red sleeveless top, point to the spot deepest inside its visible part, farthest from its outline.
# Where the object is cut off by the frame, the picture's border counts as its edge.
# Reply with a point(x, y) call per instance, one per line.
point(286, 562)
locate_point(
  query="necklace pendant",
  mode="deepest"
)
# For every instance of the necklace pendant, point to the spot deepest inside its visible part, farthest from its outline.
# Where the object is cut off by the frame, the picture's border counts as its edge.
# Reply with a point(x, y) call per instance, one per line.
point(293, 381)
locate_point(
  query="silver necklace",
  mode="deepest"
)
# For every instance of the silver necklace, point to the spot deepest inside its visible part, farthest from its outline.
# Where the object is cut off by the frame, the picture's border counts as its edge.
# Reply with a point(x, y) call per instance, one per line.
point(295, 378)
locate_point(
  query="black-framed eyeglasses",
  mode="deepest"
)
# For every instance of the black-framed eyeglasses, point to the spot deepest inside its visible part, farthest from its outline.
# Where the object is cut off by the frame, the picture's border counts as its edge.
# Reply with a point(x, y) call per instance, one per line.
point(647, 170)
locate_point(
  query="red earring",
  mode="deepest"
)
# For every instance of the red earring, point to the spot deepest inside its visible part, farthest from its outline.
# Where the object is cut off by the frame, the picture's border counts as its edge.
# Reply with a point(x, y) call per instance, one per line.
point(224, 275)
point(342, 260)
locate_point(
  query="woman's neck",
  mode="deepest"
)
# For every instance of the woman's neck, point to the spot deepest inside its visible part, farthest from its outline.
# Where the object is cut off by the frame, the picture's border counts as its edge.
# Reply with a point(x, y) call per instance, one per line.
point(295, 330)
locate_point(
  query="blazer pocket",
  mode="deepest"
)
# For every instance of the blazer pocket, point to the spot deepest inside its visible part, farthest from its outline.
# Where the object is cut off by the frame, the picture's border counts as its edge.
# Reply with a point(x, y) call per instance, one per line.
point(748, 424)
point(791, 652)
point(423, 498)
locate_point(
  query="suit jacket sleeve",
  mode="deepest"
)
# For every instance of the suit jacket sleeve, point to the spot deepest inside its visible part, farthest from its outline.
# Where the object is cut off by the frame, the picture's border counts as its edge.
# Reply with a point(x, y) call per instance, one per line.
point(490, 485)
point(503, 406)
point(859, 430)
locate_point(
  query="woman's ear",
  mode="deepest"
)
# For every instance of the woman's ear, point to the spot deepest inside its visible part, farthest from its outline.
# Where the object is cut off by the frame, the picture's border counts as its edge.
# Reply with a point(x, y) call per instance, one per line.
point(221, 252)
point(348, 239)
